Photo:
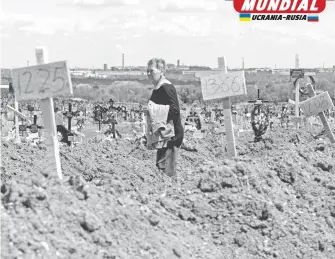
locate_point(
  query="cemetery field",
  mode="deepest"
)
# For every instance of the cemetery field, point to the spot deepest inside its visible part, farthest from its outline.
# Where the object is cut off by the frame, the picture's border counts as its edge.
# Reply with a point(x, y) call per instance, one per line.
point(276, 199)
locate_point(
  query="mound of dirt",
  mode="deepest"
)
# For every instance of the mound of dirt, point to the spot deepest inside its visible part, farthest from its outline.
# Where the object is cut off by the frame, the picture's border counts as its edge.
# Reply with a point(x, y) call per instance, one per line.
point(276, 200)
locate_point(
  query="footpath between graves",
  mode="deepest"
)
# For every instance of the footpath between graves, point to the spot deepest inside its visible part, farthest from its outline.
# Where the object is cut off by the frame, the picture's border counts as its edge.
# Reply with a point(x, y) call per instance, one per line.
point(276, 200)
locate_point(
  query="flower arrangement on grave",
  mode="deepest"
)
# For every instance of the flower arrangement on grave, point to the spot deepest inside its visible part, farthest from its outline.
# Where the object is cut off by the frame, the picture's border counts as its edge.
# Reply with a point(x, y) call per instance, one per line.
point(260, 121)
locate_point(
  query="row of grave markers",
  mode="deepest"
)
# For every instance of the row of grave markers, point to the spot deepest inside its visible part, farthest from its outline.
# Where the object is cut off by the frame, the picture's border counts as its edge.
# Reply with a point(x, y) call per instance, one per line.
point(47, 80)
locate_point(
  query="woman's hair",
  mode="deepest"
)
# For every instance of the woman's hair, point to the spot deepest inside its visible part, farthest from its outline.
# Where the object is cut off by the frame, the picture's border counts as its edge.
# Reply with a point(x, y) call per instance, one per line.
point(157, 62)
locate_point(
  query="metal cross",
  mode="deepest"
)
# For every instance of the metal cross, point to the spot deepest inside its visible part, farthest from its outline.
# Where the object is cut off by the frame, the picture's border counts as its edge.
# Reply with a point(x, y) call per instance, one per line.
point(258, 102)
point(69, 114)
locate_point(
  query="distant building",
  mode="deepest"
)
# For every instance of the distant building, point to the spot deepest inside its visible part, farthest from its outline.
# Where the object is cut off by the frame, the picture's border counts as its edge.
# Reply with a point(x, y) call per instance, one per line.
point(170, 66)
point(264, 71)
point(183, 67)
point(297, 61)
point(105, 67)
point(188, 72)
point(281, 71)
point(178, 63)
point(197, 68)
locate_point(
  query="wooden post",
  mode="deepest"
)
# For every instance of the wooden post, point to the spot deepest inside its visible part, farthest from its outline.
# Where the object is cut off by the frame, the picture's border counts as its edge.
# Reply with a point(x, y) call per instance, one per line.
point(297, 88)
point(143, 121)
point(51, 139)
point(113, 126)
point(17, 133)
point(228, 123)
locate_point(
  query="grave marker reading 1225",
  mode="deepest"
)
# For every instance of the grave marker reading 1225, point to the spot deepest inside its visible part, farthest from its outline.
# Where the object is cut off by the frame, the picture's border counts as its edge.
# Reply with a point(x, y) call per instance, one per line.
point(223, 85)
point(42, 81)
point(317, 104)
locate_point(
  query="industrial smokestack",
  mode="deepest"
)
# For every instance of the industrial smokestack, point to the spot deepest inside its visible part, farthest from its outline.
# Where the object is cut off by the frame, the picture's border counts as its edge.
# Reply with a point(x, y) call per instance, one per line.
point(297, 61)
point(222, 63)
point(122, 61)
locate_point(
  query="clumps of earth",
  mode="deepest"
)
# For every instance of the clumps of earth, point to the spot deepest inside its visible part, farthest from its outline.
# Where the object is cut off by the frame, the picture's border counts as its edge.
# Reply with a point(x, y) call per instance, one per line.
point(275, 200)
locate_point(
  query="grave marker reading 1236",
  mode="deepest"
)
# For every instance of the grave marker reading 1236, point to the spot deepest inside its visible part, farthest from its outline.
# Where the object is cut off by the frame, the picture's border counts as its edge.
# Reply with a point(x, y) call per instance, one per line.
point(44, 81)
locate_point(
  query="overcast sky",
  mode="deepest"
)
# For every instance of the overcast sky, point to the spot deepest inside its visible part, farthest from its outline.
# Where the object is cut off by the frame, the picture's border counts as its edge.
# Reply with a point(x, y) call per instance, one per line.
point(89, 33)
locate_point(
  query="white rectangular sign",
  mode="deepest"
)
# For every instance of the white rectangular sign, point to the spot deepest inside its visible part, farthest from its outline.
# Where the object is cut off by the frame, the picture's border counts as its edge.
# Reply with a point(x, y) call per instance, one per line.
point(198, 134)
point(317, 104)
point(223, 85)
point(42, 81)
point(220, 130)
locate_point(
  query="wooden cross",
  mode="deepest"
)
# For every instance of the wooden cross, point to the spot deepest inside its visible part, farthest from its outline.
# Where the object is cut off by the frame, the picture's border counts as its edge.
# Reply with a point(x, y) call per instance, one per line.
point(34, 127)
point(112, 123)
point(69, 115)
point(98, 115)
point(258, 102)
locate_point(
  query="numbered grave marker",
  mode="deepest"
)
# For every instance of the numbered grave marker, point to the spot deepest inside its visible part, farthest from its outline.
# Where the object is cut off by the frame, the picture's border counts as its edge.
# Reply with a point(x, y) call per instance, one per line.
point(317, 104)
point(42, 81)
point(223, 85)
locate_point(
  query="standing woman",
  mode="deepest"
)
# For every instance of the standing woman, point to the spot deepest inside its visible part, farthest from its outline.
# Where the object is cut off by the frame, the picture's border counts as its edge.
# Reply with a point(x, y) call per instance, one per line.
point(165, 93)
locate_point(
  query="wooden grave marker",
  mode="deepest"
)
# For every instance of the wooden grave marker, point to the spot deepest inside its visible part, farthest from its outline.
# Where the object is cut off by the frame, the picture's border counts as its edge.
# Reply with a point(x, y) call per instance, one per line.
point(221, 86)
point(45, 81)
point(316, 105)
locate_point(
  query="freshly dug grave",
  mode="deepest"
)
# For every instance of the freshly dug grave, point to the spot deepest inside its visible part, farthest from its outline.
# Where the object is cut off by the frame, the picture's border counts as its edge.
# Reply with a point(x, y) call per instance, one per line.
point(276, 200)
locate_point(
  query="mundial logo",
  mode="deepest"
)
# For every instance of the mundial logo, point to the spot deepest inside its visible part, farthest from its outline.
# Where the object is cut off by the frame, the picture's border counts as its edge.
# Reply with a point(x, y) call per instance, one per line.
point(289, 10)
